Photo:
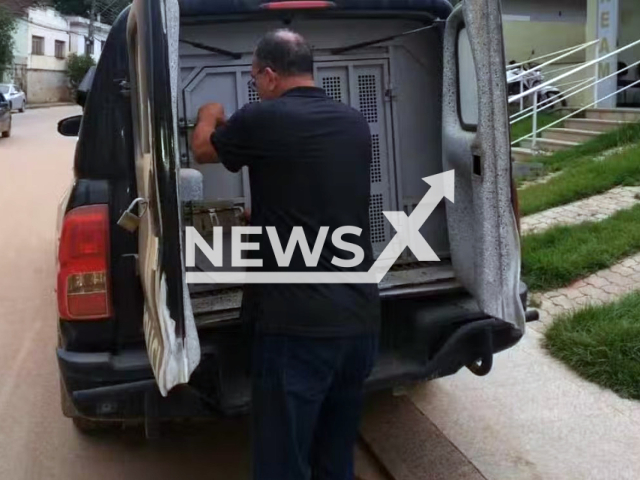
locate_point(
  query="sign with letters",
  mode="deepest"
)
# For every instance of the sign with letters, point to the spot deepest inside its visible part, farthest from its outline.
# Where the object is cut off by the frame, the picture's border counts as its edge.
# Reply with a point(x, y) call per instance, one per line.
point(607, 32)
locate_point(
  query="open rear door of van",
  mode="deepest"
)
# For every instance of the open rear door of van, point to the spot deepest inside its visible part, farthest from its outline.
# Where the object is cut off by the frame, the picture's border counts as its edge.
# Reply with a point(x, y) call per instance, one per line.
point(169, 327)
point(483, 232)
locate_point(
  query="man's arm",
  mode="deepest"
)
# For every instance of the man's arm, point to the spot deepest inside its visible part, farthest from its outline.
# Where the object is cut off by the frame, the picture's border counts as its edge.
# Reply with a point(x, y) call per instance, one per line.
point(210, 117)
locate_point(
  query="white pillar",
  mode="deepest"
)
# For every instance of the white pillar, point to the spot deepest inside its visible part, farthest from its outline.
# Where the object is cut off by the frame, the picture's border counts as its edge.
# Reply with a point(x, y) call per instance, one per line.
point(605, 16)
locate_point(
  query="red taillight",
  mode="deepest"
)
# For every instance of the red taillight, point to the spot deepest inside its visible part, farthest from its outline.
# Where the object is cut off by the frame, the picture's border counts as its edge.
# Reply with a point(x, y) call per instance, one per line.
point(83, 263)
point(297, 5)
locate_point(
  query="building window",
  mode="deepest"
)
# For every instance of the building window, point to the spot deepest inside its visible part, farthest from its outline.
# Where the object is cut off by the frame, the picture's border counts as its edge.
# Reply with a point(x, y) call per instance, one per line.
point(37, 45)
point(60, 49)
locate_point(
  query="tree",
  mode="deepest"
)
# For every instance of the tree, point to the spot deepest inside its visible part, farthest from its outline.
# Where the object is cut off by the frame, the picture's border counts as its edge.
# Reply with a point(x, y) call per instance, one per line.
point(72, 7)
point(7, 27)
point(77, 68)
point(107, 9)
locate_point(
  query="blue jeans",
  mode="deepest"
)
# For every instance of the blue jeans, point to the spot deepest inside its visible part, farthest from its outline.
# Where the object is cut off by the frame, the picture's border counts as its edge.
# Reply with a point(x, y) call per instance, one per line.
point(307, 400)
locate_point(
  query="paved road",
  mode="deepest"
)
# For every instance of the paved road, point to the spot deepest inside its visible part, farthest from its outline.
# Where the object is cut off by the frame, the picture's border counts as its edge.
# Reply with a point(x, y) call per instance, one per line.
point(36, 441)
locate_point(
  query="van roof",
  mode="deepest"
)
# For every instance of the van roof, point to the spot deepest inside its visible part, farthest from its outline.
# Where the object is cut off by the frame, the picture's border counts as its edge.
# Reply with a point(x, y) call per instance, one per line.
point(438, 8)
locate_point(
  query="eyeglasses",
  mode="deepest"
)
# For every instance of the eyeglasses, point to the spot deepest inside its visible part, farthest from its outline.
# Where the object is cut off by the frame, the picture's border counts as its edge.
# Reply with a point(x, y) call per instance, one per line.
point(252, 82)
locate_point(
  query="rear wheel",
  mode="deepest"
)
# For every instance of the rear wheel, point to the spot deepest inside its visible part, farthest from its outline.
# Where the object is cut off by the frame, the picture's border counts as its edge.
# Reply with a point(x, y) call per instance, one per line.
point(7, 133)
point(22, 106)
point(89, 426)
point(86, 426)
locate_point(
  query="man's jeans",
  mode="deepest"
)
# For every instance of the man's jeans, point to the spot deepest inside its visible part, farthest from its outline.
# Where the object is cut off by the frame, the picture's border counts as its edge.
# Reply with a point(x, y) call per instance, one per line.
point(307, 399)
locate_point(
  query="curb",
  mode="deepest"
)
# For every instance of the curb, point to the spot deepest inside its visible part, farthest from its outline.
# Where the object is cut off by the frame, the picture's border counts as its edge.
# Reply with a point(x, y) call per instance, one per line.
point(49, 105)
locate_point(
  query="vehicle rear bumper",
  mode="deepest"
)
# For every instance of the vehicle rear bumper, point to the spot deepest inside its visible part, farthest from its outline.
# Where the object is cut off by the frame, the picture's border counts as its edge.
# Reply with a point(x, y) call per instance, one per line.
point(122, 387)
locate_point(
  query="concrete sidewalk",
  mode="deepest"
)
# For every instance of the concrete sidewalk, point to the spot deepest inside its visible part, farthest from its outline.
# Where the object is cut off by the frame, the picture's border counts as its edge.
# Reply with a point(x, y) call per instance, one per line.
point(592, 209)
point(532, 418)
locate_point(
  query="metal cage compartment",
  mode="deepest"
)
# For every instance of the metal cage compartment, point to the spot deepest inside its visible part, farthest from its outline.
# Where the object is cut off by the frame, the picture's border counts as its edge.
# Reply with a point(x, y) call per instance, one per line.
point(359, 83)
point(396, 85)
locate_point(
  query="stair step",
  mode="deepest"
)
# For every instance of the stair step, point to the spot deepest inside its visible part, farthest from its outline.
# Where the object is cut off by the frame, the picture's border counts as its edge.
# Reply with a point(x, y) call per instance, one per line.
point(594, 124)
point(519, 154)
point(620, 114)
point(548, 144)
point(569, 134)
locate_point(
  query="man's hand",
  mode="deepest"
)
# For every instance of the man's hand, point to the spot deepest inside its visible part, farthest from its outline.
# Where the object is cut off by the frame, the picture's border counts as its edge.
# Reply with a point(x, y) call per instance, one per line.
point(211, 113)
point(210, 117)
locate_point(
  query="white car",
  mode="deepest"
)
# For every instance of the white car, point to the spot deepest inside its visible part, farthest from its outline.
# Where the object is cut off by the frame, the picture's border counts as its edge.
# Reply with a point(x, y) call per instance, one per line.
point(16, 97)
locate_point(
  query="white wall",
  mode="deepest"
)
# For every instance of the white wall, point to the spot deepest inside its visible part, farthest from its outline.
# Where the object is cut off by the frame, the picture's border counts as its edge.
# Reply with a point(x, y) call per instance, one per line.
point(523, 37)
point(79, 28)
point(543, 27)
point(46, 78)
point(50, 25)
point(547, 10)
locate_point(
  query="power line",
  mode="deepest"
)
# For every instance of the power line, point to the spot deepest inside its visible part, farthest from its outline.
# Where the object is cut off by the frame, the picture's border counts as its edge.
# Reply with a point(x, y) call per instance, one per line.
point(110, 9)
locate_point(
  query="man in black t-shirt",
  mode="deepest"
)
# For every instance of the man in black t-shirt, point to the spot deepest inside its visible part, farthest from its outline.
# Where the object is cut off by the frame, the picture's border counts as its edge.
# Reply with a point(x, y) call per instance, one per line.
point(308, 158)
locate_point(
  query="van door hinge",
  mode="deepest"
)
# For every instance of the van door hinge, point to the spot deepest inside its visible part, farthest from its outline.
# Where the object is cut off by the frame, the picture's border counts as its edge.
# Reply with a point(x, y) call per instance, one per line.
point(129, 220)
point(390, 93)
point(125, 86)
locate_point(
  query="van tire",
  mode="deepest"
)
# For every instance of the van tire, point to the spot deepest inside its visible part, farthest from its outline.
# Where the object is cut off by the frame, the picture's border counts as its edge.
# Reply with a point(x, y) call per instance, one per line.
point(84, 425)
point(89, 426)
point(68, 410)
point(7, 133)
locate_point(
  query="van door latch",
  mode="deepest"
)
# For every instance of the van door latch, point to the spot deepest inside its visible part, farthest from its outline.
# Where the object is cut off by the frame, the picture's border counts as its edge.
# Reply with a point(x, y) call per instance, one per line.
point(390, 93)
point(129, 220)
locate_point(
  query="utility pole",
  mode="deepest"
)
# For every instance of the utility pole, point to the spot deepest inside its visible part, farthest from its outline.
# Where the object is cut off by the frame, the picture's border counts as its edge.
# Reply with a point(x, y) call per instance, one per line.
point(90, 42)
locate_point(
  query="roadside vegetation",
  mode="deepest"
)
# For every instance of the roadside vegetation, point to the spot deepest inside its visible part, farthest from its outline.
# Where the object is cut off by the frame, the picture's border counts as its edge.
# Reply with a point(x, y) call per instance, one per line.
point(561, 255)
point(562, 159)
point(7, 27)
point(601, 344)
point(582, 180)
point(525, 127)
point(77, 68)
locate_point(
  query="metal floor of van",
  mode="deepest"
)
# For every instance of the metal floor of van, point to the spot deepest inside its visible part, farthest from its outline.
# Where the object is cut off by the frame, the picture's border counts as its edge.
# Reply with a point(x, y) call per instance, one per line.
point(401, 281)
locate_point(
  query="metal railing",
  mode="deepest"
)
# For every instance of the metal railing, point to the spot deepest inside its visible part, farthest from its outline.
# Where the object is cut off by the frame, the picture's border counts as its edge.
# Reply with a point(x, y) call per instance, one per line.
point(575, 87)
point(528, 73)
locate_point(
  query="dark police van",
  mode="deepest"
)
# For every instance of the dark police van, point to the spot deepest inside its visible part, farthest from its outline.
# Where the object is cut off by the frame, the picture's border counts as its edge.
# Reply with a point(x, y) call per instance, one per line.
point(136, 340)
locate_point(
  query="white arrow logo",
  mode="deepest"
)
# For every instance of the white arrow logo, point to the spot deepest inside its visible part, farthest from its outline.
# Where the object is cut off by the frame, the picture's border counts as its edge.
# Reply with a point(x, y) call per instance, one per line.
point(407, 235)
point(408, 228)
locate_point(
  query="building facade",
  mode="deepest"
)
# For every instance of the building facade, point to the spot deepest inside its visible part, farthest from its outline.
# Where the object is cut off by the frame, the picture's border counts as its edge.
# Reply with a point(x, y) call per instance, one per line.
point(538, 27)
point(43, 41)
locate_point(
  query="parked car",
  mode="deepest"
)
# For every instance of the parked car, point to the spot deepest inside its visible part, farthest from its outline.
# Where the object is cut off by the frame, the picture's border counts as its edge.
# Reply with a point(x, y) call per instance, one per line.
point(13, 93)
point(136, 341)
point(5, 117)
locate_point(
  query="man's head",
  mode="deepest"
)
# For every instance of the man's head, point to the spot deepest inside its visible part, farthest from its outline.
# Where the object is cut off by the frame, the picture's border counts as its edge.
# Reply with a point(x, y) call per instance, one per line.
point(282, 60)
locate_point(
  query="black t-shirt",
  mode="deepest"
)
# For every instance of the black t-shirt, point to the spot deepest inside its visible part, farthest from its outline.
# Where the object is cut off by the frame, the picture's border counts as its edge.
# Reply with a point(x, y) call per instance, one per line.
point(309, 159)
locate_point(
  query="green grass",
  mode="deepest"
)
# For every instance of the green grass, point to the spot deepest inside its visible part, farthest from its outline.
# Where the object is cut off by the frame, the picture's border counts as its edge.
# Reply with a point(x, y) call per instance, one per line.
point(565, 158)
point(582, 180)
point(602, 344)
point(524, 127)
point(558, 256)
point(608, 140)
